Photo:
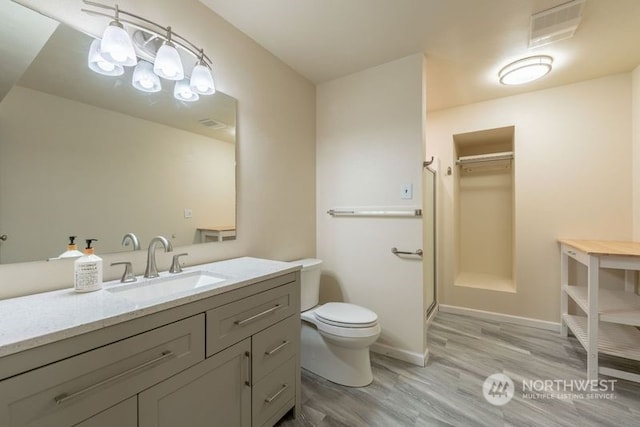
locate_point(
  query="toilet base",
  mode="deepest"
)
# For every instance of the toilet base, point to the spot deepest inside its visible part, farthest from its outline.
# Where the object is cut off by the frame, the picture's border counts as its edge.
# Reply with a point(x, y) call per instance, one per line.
point(328, 357)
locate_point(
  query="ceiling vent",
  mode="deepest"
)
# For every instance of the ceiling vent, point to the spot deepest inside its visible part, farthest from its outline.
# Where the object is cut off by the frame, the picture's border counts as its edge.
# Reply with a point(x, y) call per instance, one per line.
point(557, 23)
point(212, 124)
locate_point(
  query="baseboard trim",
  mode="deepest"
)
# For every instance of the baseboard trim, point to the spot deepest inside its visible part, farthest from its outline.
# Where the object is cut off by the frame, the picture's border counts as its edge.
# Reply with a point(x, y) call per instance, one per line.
point(488, 315)
point(400, 354)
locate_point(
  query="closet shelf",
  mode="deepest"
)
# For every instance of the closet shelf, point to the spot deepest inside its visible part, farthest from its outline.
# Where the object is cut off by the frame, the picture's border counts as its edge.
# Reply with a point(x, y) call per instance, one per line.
point(613, 339)
point(613, 306)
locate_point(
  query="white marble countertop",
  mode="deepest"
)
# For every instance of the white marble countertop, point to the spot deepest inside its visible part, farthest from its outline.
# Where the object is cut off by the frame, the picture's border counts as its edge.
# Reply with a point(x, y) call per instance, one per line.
point(39, 319)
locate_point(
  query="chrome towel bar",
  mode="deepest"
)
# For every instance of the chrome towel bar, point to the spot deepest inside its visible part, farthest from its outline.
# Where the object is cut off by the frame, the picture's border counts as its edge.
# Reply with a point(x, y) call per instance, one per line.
point(411, 212)
point(395, 251)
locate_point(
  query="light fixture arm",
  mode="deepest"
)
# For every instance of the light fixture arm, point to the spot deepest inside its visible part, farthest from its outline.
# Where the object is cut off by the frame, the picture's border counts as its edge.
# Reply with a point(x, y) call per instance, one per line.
point(164, 33)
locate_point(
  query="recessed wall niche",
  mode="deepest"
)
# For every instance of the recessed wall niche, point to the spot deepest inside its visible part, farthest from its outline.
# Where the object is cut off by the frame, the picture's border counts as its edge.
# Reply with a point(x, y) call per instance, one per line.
point(484, 209)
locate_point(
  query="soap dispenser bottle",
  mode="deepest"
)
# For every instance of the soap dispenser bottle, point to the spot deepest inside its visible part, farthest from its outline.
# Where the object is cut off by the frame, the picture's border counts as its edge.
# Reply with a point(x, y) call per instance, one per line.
point(72, 249)
point(88, 270)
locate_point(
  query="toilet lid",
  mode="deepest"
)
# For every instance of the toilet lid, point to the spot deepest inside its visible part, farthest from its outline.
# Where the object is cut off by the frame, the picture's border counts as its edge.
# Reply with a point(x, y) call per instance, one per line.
point(344, 314)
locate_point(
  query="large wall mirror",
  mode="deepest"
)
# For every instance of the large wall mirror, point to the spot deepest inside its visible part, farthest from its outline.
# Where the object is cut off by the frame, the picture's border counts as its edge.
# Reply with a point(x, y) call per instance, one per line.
point(88, 155)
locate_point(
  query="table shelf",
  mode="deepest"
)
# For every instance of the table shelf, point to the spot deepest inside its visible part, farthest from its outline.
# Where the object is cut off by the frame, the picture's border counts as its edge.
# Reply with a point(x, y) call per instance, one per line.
point(613, 339)
point(611, 317)
point(613, 306)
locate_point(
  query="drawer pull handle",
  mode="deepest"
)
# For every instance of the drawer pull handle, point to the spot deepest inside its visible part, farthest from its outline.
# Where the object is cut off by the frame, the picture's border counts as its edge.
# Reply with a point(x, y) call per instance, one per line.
point(277, 349)
point(248, 356)
point(60, 399)
point(257, 316)
point(278, 393)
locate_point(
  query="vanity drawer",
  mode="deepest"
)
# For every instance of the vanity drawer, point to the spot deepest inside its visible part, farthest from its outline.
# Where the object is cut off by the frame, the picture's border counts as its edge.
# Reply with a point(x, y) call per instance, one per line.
point(72, 390)
point(231, 323)
point(274, 345)
point(274, 394)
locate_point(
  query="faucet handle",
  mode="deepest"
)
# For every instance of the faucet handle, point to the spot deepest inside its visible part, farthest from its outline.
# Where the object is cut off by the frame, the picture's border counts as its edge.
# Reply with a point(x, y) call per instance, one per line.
point(128, 275)
point(175, 264)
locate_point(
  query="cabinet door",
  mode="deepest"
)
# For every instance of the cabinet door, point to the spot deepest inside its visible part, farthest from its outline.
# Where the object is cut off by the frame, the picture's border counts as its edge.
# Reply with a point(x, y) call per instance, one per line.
point(124, 414)
point(213, 393)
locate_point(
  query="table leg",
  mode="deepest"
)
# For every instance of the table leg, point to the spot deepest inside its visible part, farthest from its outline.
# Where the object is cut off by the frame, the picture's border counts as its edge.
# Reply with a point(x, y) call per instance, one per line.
point(592, 316)
point(564, 298)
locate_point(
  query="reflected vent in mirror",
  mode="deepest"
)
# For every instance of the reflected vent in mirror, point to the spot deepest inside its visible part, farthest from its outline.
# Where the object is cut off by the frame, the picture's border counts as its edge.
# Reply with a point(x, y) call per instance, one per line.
point(210, 123)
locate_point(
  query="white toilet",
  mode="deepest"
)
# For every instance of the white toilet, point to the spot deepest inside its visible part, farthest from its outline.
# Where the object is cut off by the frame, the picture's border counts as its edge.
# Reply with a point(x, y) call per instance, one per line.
point(335, 337)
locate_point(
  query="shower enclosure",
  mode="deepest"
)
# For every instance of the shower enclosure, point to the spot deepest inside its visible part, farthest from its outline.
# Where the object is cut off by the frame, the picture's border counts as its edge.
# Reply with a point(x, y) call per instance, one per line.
point(429, 238)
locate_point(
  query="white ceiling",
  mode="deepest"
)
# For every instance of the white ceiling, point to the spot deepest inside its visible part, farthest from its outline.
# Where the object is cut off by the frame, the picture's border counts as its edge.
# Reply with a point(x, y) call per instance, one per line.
point(466, 41)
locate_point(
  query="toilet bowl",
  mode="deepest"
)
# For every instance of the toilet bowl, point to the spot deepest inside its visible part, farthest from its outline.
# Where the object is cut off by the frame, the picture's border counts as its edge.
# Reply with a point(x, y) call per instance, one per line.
point(335, 337)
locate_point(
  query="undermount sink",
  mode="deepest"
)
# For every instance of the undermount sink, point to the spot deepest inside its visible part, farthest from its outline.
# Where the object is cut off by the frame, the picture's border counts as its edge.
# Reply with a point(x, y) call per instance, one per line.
point(162, 287)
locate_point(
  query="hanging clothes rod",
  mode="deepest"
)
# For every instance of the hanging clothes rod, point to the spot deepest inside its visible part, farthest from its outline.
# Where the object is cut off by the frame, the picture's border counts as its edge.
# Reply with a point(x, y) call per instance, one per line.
point(492, 157)
point(412, 212)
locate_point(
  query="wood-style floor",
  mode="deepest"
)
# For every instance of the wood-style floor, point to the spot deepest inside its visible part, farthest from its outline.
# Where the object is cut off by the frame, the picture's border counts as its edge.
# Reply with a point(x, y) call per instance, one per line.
point(448, 391)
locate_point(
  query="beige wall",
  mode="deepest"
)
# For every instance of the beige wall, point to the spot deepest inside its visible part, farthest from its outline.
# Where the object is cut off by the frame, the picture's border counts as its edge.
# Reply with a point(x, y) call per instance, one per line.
point(572, 179)
point(485, 209)
point(369, 143)
point(276, 155)
point(635, 130)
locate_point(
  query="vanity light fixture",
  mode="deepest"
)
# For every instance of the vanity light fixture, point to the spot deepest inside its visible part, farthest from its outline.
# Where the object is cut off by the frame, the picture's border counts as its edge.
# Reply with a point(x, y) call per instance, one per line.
point(168, 64)
point(116, 51)
point(183, 92)
point(201, 79)
point(144, 78)
point(116, 46)
point(99, 64)
point(525, 70)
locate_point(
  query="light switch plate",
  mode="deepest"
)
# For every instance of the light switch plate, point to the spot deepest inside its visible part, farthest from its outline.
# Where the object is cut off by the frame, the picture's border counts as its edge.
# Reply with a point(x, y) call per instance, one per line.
point(188, 213)
point(406, 191)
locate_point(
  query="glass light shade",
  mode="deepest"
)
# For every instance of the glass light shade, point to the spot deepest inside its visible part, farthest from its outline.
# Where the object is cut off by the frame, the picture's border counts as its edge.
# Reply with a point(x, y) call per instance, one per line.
point(201, 80)
point(116, 46)
point(168, 64)
point(525, 70)
point(100, 65)
point(144, 78)
point(183, 92)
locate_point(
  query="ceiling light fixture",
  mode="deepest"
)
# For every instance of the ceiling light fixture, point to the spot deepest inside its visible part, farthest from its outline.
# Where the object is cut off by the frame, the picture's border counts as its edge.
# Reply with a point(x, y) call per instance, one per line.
point(525, 70)
point(116, 51)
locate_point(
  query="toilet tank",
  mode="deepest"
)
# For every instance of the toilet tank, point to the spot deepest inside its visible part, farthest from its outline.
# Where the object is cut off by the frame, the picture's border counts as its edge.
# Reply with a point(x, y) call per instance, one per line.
point(309, 282)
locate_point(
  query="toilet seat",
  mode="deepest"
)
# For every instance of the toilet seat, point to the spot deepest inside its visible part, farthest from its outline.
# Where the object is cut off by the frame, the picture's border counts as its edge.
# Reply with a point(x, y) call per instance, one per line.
point(343, 329)
point(345, 315)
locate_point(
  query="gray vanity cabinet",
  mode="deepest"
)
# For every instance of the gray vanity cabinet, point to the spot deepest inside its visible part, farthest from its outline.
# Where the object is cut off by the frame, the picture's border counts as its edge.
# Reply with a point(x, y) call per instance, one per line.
point(230, 360)
point(124, 414)
point(215, 392)
point(72, 390)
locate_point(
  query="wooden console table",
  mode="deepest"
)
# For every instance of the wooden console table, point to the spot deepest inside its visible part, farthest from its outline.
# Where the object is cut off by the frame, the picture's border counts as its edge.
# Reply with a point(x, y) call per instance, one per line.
point(218, 233)
point(611, 317)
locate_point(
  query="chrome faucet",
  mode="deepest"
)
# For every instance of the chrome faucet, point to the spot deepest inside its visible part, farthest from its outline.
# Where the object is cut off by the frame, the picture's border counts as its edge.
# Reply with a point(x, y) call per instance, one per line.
point(151, 270)
point(131, 238)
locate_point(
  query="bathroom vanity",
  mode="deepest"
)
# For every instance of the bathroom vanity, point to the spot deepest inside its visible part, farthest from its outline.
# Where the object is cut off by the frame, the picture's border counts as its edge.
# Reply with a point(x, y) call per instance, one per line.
point(225, 354)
